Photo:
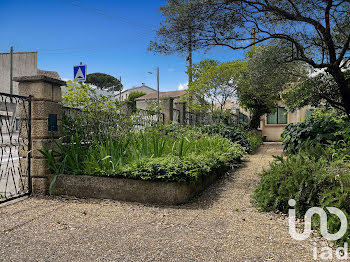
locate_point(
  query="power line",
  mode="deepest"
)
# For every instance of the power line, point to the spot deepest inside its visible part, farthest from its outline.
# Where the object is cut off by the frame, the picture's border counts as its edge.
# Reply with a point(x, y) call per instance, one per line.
point(101, 12)
point(105, 45)
point(110, 44)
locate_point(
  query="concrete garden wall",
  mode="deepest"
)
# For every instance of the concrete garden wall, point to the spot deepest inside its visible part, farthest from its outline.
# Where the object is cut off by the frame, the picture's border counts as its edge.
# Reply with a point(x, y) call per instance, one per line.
point(123, 189)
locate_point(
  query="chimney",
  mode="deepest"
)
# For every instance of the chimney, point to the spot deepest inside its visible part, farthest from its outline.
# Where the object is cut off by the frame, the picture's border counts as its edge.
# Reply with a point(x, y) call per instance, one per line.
point(143, 84)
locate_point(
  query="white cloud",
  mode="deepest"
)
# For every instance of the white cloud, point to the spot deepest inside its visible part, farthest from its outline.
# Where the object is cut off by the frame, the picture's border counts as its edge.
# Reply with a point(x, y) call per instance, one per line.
point(182, 86)
point(171, 70)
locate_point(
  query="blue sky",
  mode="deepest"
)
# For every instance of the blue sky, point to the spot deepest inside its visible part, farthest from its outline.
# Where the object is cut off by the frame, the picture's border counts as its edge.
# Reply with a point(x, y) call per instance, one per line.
point(109, 36)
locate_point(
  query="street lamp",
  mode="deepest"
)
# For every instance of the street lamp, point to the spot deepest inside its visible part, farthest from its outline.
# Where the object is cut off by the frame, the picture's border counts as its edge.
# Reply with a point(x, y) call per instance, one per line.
point(158, 104)
point(157, 84)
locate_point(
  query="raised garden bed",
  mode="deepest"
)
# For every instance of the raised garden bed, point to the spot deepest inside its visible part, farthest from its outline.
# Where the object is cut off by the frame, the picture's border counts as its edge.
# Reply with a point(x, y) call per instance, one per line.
point(123, 189)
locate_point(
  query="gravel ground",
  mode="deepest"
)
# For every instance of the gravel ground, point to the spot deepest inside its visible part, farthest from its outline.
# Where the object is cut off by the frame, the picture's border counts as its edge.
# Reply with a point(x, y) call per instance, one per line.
point(219, 225)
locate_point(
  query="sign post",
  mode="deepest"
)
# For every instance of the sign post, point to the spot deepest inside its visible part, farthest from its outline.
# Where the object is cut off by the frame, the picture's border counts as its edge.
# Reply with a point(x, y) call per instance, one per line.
point(79, 72)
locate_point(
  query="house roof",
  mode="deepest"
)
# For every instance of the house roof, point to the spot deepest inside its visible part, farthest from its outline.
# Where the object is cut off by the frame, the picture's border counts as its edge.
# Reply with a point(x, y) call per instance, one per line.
point(51, 74)
point(19, 53)
point(136, 87)
point(172, 94)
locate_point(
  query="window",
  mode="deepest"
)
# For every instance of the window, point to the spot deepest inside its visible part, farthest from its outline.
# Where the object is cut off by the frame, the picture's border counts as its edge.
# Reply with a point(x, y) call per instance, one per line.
point(279, 117)
point(308, 113)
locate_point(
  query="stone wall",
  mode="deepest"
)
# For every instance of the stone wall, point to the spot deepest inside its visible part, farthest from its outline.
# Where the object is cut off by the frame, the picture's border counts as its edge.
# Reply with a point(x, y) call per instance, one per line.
point(46, 103)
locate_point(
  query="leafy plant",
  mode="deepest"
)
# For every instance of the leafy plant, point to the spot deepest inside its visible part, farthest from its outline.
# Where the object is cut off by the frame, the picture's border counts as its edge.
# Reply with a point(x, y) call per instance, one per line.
point(92, 115)
point(149, 154)
point(315, 175)
point(57, 167)
point(248, 139)
point(316, 130)
point(132, 96)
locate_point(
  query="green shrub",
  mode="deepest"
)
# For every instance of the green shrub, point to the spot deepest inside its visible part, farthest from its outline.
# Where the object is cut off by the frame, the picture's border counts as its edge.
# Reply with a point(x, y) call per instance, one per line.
point(176, 169)
point(236, 134)
point(150, 155)
point(315, 130)
point(298, 177)
point(316, 176)
point(232, 133)
point(132, 96)
point(316, 171)
point(255, 140)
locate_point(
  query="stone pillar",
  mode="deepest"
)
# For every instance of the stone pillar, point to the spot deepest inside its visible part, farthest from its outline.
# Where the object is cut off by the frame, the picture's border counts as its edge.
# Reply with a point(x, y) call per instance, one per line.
point(167, 106)
point(127, 108)
point(181, 106)
point(46, 123)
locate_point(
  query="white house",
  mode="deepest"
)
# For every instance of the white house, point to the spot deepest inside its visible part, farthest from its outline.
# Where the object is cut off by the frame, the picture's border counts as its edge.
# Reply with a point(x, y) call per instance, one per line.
point(143, 88)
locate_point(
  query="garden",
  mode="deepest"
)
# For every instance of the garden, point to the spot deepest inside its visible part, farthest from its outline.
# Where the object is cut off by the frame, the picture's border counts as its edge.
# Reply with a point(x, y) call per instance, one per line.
point(315, 172)
point(100, 140)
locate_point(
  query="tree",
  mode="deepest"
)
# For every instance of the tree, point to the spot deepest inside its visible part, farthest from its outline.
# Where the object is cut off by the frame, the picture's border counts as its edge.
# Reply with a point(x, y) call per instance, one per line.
point(88, 112)
point(263, 80)
point(104, 81)
point(214, 84)
point(316, 32)
point(318, 89)
point(132, 96)
point(83, 96)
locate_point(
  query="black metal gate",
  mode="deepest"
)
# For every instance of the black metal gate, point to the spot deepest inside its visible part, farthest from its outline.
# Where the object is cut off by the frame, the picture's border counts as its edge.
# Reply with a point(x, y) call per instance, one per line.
point(15, 146)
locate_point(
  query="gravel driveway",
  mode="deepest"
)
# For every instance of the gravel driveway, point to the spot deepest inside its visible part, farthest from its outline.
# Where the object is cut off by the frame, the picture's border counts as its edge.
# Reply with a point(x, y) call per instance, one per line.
point(220, 225)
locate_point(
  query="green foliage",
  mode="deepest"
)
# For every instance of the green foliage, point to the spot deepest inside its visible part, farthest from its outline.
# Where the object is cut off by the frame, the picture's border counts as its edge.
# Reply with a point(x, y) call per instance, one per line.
point(132, 96)
point(92, 115)
point(150, 155)
point(82, 96)
point(214, 84)
point(320, 129)
point(153, 108)
point(316, 171)
point(57, 167)
point(315, 90)
point(265, 77)
point(247, 139)
point(316, 176)
point(207, 24)
point(104, 81)
point(255, 140)
point(135, 94)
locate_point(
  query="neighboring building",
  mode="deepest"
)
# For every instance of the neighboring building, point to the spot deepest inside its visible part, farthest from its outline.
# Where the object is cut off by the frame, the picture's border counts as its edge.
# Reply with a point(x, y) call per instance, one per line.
point(272, 125)
point(143, 88)
point(51, 74)
point(143, 101)
point(24, 64)
point(234, 108)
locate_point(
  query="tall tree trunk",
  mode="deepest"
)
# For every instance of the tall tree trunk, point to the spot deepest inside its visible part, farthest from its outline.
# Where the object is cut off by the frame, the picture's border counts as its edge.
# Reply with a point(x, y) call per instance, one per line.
point(344, 87)
point(255, 121)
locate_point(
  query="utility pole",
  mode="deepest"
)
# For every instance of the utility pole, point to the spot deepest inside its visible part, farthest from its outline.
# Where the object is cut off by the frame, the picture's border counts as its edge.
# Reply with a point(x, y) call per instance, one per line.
point(11, 71)
point(158, 99)
point(253, 36)
point(158, 86)
point(120, 89)
point(158, 102)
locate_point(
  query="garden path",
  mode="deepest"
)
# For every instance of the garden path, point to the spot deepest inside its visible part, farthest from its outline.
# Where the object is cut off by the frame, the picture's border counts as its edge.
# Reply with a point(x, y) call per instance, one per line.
point(220, 225)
